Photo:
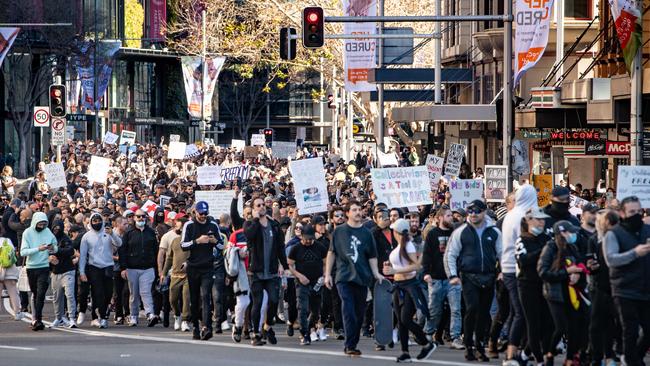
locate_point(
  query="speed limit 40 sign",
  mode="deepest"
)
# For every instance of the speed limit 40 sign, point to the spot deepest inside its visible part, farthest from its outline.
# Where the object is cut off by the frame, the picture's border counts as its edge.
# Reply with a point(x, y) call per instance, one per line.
point(41, 116)
point(58, 131)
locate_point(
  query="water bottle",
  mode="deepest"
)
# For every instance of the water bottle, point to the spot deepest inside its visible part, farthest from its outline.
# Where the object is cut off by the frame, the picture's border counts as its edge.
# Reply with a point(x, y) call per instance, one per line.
point(319, 284)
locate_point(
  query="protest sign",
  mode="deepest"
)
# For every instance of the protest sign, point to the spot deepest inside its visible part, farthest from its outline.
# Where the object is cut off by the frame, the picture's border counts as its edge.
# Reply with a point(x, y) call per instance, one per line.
point(150, 208)
point(176, 150)
point(310, 185)
point(191, 151)
point(496, 183)
point(242, 171)
point(174, 138)
point(98, 169)
point(127, 137)
point(208, 175)
point(55, 175)
point(575, 205)
point(238, 144)
point(218, 201)
point(251, 152)
point(110, 138)
point(634, 181)
point(464, 191)
point(402, 187)
point(544, 186)
point(132, 149)
point(258, 139)
point(284, 149)
point(164, 200)
point(455, 155)
point(386, 160)
point(434, 167)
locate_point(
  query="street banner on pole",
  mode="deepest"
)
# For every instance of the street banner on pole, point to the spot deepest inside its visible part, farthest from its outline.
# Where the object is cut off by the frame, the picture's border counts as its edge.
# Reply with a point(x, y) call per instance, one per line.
point(7, 38)
point(496, 183)
point(359, 54)
point(455, 155)
point(87, 73)
point(55, 175)
point(193, 71)
point(533, 20)
point(310, 185)
point(627, 19)
point(157, 19)
point(402, 187)
point(464, 191)
point(434, 167)
point(634, 181)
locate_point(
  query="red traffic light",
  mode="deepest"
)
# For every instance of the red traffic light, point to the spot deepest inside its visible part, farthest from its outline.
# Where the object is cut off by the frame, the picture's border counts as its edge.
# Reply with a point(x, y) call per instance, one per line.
point(312, 17)
point(313, 27)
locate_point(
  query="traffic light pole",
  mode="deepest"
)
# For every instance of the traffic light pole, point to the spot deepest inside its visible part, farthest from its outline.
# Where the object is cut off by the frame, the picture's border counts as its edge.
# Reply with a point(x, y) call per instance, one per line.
point(379, 126)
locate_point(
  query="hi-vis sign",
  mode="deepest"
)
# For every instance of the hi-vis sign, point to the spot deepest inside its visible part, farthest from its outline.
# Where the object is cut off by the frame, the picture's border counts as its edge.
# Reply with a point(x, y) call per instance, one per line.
point(533, 20)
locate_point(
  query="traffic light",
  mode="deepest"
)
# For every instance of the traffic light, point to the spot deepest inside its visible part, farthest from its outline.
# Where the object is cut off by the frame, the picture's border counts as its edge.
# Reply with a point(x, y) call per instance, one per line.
point(331, 103)
point(313, 27)
point(287, 45)
point(57, 100)
point(268, 136)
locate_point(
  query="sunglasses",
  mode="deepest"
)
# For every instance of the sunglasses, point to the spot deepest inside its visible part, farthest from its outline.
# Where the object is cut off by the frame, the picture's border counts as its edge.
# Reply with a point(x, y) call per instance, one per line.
point(202, 213)
point(474, 211)
point(140, 216)
point(339, 215)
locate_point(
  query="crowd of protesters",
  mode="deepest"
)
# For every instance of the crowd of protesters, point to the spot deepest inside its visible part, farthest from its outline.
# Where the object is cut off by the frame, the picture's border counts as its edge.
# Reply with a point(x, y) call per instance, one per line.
point(515, 278)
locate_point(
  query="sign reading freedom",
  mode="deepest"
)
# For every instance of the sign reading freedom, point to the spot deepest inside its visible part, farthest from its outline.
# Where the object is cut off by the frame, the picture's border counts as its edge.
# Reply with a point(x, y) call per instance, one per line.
point(402, 187)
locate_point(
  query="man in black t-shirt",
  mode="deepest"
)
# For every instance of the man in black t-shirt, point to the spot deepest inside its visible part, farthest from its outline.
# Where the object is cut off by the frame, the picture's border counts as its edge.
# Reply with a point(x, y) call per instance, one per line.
point(353, 248)
point(307, 265)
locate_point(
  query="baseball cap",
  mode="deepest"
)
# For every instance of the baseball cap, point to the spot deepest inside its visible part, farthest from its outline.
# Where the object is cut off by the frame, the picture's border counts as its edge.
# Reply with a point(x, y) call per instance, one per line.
point(590, 207)
point(318, 220)
point(477, 204)
point(285, 221)
point(202, 207)
point(560, 191)
point(401, 226)
point(460, 211)
point(536, 213)
point(171, 215)
point(127, 213)
point(308, 232)
point(564, 225)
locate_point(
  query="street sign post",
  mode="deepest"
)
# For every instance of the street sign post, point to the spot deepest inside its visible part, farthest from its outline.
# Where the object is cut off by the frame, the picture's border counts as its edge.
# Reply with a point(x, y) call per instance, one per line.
point(41, 116)
point(58, 131)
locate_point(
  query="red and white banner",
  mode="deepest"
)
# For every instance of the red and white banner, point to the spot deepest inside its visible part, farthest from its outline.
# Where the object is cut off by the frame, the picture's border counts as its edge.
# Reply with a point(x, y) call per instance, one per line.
point(157, 19)
point(627, 19)
point(359, 54)
point(533, 22)
point(7, 38)
point(149, 207)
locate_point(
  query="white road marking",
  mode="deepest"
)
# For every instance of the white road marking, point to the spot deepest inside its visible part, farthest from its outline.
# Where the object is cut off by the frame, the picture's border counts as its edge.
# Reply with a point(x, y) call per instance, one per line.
point(18, 348)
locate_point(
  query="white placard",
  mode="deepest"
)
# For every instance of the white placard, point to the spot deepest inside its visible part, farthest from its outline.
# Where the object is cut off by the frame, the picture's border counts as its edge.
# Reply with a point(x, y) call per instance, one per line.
point(242, 171)
point(218, 201)
point(55, 175)
point(402, 187)
point(258, 139)
point(310, 185)
point(191, 150)
point(634, 181)
point(283, 149)
point(98, 169)
point(496, 183)
point(434, 167)
point(127, 137)
point(208, 175)
point(176, 150)
point(387, 160)
point(464, 191)
point(238, 144)
point(174, 138)
point(110, 138)
point(455, 155)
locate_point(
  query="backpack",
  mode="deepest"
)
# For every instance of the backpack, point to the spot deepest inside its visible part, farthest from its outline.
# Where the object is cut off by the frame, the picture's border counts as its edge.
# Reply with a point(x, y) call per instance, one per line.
point(7, 254)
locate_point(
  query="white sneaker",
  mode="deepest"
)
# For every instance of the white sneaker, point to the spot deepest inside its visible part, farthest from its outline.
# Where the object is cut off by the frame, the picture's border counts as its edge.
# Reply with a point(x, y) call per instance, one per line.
point(133, 321)
point(225, 325)
point(95, 323)
point(103, 324)
point(322, 334)
point(177, 323)
point(80, 318)
point(313, 336)
point(395, 337)
point(457, 344)
point(19, 316)
point(57, 323)
point(68, 323)
point(185, 326)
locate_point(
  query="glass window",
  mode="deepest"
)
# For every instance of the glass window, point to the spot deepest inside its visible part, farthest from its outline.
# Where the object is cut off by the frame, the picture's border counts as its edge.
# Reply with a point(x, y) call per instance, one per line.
point(578, 9)
point(143, 89)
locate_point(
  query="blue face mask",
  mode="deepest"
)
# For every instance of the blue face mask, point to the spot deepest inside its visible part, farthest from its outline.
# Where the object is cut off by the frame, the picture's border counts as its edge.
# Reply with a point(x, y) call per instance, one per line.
point(536, 230)
point(140, 223)
point(572, 238)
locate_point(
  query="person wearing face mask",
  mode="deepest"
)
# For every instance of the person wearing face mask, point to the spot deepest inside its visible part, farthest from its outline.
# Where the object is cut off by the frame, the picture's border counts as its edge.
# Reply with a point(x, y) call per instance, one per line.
point(562, 270)
point(38, 243)
point(179, 290)
point(558, 209)
point(63, 278)
point(528, 248)
point(626, 248)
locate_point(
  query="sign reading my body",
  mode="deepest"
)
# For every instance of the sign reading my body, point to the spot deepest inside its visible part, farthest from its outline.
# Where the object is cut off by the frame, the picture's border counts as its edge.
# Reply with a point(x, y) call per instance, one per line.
point(533, 17)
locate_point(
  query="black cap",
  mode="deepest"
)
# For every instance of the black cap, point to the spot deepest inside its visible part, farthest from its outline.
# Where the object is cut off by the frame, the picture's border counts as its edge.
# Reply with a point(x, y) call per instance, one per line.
point(477, 204)
point(564, 225)
point(318, 220)
point(308, 232)
point(590, 207)
point(285, 221)
point(460, 211)
point(560, 191)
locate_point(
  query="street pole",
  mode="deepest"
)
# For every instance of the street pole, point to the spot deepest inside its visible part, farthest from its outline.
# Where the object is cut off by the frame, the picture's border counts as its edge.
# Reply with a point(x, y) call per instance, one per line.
point(438, 68)
point(379, 125)
point(202, 125)
point(507, 89)
point(335, 112)
point(321, 109)
point(636, 110)
point(559, 39)
point(95, 107)
point(348, 126)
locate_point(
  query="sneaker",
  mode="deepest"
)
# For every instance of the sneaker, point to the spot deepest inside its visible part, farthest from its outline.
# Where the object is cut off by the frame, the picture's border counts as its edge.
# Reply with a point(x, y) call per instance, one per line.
point(289, 330)
point(380, 347)
point(57, 323)
point(340, 335)
point(37, 325)
point(305, 340)
point(236, 334)
point(152, 320)
point(80, 318)
point(257, 340)
point(185, 326)
point(133, 321)
point(367, 333)
point(196, 334)
point(270, 335)
point(395, 336)
point(19, 316)
point(469, 355)
point(218, 330)
point(225, 325)
point(427, 351)
point(457, 344)
point(404, 357)
point(69, 324)
point(95, 323)
point(103, 324)
point(177, 323)
point(353, 352)
point(119, 321)
point(206, 333)
point(481, 355)
point(322, 334)
point(313, 336)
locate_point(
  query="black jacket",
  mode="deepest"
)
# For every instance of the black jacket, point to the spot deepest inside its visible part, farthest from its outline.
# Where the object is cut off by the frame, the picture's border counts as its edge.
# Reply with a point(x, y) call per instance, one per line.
point(65, 252)
point(555, 217)
point(631, 281)
point(527, 252)
point(139, 249)
point(556, 282)
point(255, 243)
point(434, 251)
point(9, 232)
point(383, 246)
point(599, 277)
point(202, 256)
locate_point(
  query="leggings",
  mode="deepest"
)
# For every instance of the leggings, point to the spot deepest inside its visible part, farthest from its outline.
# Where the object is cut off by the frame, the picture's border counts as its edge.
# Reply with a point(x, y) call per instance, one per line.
point(101, 289)
point(537, 314)
point(569, 322)
point(405, 309)
point(272, 287)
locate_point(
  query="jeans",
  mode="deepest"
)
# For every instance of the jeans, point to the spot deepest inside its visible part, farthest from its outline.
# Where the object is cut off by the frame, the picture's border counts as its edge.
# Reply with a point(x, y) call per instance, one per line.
point(477, 311)
point(63, 287)
point(140, 281)
point(634, 314)
point(353, 307)
point(272, 287)
point(438, 291)
point(308, 303)
point(219, 296)
point(179, 297)
point(518, 325)
point(200, 283)
point(101, 289)
point(39, 281)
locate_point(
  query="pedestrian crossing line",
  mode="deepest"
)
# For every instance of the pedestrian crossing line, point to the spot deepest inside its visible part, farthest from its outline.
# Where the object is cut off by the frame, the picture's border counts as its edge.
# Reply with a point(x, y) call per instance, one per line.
point(18, 348)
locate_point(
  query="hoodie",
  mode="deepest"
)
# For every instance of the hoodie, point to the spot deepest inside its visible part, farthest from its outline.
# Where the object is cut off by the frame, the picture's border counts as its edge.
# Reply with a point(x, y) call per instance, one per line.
point(32, 239)
point(96, 247)
point(65, 252)
point(525, 199)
